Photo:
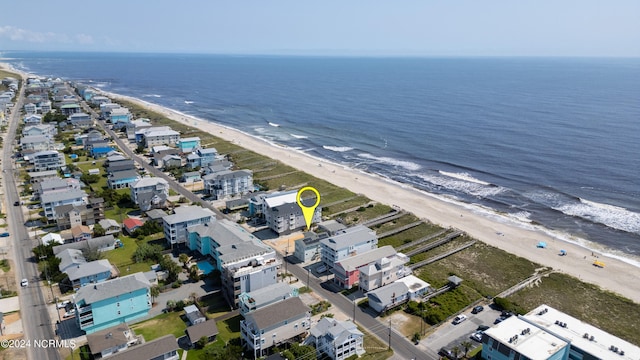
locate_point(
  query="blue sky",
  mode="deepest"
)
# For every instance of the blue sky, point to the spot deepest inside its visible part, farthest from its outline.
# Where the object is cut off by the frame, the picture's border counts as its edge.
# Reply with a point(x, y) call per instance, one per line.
point(355, 27)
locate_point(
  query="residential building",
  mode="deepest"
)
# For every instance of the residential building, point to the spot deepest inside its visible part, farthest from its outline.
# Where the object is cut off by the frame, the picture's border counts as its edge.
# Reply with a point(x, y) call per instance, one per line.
point(99, 100)
point(187, 145)
point(168, 161)
point(70, 258)
point(383, 271)
point(109, 341)
point(190, 177)
point(119, 117)
point(106, 108)
point(89, 273)
point(381, 265)
point(110, 226)
point(150, 193)
point(80, 120)
point(346, 243)
point(70, 108)
point(274, 325)
point(47, 160)
point(30, 108)
point(47, 130)
point(283, 214)
point(257, 299)
point(547, 333)
point(55, 185)
point(339, 340)
point(45, 107)
point(32, 119)
point(39, 176)
point(120, 165)
point(228, 183)
point(36, 143)
point(184, 217)
point(136, 125)
point(70, 215)
point(52, 238)
point(161, 135)
point(80, 232)
point(207, 329)
point(122, 179)
point(308, 249)
point(131, 224)
point(164, 348)
point(193, 315)
point(156, 215)
point(331, 227)
point(402, 290)
point(112, 302)
point(202, 158)
point(102, 243)
point(51, 200)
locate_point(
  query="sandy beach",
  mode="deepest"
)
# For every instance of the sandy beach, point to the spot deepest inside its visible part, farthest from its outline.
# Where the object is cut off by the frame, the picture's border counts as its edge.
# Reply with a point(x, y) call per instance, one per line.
point(618, 276)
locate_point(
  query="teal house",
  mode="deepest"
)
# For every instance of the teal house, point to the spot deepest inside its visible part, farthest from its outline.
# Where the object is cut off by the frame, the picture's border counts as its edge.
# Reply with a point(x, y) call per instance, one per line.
point(188, 144)
point(109, 303)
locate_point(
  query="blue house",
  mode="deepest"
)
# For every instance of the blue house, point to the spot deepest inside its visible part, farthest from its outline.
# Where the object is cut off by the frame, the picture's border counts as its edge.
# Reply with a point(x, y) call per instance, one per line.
point(122, 179)
point(99, 152)
point(89, 273)
point(188, 144)
point(207, 156)
point(112, 302)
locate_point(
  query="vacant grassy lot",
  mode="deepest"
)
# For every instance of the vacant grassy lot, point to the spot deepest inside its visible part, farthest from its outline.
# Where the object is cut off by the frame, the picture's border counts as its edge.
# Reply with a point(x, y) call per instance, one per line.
point(586, 302)
point(161, 325)
point(365, 213)
point(121, 257)
point(407, 236)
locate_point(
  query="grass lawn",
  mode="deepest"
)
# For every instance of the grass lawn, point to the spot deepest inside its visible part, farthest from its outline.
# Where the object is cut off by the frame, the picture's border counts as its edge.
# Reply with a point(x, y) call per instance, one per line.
point(215, 305)
point(406, 219)
point(229, 330)
point(415, 233)
point(376, 349)
point(161, 325)
point(365, 213)
point(349, 204)
point(121, 257)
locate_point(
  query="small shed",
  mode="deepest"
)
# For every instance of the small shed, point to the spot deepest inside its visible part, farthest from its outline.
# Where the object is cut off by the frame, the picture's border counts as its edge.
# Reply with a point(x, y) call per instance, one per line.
point(454, 281)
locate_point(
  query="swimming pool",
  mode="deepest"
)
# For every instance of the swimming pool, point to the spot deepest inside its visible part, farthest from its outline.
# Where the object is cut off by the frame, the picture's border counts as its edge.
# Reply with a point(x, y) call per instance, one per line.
point(205, 266)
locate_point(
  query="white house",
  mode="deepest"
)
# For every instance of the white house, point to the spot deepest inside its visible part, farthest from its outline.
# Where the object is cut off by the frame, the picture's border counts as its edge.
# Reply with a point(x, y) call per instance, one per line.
point(228, 183)
point(346, 243)
point(149, 193)
point(339, 340)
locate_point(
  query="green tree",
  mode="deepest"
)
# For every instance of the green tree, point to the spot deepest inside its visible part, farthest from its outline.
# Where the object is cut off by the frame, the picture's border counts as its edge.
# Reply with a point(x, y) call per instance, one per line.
point(193, 273)
point(466, 345)
point(455, 351)
point(171, 304)
point(171, 267)
point(154, 291)
point(202, 342)
point(98, 230)
point(183, 258)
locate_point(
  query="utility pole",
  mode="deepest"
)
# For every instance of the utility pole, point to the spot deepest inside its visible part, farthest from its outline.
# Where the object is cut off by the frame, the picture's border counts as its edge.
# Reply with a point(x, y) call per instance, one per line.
point(389, 335)
point(354, 310)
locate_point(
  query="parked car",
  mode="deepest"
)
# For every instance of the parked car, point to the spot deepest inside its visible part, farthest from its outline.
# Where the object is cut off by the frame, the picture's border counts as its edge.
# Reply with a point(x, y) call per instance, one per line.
point(458, 319)
point(63, 304)
point(477, 309)
point(320, 269)
point(477, 336)
point(24, 283)
point(447, 353)
point(483, 328)
point(4, 234)
point(69, 313)
point(498, 320)
point(16, 203)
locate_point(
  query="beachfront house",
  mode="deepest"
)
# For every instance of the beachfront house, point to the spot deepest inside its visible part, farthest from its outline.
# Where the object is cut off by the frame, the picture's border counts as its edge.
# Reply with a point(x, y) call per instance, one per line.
point(397, 293)
point(150, 193)
point(186, 145)
point(119, 117)
point(157, 135)
point(308, 248)
point(381, 266)
point(112, 302)
point(346, 243)
point(202, 158)
point(55, 185)
point(338, 340)
point(228, 183)
point(283, 214)
point(274, 325)
point(80, 120)
point(41, 176)
point(184, 217)
point(257, 299)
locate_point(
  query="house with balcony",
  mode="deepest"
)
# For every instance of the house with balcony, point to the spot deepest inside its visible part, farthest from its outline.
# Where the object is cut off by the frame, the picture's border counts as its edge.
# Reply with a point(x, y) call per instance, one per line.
point(47, 130)
point(164, 348)
point(88, 273)
point(55, 185)
point(347, 243)
point(257, 299)
point(110, 226)
point(185, 217)
point(397, 293)
point(207, 329)
point(202, 158)
point(338, 340)
point(119, 116)
point(99, 100)
point(122, 179)
point(30, 108)
point(150, 193)
point(246, 267)
point(228, 183)
point(80, 233)
point(274, 325)
point(109, 341)
point(136, 125)
point(157, 135)
point(70, 108)
point(70, 215)
point(32, 119)
point(80, 120)
point(53, 199)
point(308, 249)
point(283, 214)
point(381, 265)
point(112, 302)
point(47, 160)
point(35, 143)
point(187, 145)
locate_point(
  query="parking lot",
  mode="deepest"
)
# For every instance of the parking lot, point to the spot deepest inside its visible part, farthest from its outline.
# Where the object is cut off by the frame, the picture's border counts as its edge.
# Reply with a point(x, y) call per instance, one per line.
point(449, 335)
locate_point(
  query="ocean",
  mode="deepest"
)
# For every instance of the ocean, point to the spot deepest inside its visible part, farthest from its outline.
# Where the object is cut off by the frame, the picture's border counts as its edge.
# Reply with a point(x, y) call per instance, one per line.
point(551, 143)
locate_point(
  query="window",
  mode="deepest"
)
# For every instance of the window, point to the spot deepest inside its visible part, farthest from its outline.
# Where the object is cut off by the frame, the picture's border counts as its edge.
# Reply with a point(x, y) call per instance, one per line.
point(118, 312)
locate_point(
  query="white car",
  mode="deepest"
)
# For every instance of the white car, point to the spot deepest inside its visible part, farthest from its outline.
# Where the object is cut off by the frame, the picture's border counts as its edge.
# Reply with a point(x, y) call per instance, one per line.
point(63, 304)
point(69, 313)
point(24, 283)
point(458, 319)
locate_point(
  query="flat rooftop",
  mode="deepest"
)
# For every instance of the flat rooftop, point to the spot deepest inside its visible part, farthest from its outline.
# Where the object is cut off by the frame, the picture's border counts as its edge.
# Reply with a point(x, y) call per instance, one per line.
point(534, 343)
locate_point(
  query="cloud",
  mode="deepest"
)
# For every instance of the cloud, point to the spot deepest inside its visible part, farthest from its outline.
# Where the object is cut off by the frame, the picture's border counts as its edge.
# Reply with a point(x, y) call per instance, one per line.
point(18, 34)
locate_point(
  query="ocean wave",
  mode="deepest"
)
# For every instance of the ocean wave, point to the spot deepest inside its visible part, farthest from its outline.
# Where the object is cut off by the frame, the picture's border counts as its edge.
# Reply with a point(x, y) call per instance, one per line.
point(274, 124)
point(411, 166)
point(612, 216)
point(299, 136)
point(152, 95)
point(188, 102)
point(474, 188)
point(463, 176)
point(337, 148)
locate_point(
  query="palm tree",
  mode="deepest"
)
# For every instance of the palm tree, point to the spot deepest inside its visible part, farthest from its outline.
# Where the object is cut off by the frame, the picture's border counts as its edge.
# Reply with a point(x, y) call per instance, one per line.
point(193, 297)
point(455, 351)
point(466, 345)
point(154, 291)
point(184, 259)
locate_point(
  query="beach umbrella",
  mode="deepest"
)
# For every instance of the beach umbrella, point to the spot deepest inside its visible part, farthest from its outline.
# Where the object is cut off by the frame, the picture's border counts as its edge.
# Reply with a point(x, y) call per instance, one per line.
point(563, 252)
point(542, 244)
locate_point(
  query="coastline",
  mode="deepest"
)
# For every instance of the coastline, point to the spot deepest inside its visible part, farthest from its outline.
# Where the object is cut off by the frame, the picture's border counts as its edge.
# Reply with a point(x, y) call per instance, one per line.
point(618, 276)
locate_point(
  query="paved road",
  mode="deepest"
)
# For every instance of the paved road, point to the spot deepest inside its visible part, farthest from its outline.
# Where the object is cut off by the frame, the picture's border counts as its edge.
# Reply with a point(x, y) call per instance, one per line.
point(35, 317)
